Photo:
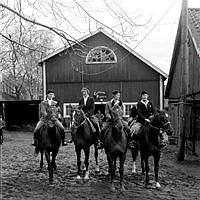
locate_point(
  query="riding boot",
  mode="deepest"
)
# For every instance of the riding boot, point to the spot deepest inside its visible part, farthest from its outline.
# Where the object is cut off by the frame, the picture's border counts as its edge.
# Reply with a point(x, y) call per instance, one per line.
point(71, 140)
point(98, 142)
point(35, 142)
point(132, 142)
point(63, 138)
point(73, 131)
point(163, 141)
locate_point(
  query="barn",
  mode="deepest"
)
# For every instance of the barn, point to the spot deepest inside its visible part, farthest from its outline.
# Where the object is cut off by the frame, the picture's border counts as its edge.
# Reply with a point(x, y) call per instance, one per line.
point(102, 63)
point(173, 89)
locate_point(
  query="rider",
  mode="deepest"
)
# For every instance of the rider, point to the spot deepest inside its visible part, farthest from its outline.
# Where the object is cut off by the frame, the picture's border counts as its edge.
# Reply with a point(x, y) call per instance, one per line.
point(109, 105)
point(48, 111)
point(86, 103)
point(145, 111)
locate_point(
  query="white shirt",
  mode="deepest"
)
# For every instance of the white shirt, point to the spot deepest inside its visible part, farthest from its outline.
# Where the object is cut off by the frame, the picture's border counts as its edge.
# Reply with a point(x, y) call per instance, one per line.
point(145, 102)
point(116, 102)
point(49, 101)
point(85, 99)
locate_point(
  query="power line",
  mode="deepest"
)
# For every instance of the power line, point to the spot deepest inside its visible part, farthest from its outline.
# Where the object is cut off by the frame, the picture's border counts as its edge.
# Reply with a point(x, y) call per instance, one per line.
point(155, 25)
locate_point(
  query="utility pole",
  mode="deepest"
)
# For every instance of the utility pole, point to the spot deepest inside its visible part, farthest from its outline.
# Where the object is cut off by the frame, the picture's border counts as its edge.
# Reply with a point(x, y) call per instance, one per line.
point(184, 80)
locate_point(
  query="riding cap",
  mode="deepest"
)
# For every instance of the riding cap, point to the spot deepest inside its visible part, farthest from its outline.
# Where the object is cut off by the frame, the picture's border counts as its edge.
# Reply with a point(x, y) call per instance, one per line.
point(85, 89)
point(144, 92)
point(50, 91)
point(116, 92)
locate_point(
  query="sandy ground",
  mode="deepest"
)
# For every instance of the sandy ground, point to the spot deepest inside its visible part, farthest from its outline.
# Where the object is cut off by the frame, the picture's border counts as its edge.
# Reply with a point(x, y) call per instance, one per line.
point(21, 178)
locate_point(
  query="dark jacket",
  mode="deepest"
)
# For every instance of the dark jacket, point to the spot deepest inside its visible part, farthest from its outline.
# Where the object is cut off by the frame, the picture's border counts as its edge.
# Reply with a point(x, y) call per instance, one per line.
point(46, 110)
point(109, 106)
point(144, 111)
point(89, 107)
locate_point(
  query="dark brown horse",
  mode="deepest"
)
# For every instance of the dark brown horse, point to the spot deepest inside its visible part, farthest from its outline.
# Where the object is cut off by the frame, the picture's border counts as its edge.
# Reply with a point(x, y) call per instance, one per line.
point(115, 144)
point(149, 143)
point(49, 142)
point(83, 138)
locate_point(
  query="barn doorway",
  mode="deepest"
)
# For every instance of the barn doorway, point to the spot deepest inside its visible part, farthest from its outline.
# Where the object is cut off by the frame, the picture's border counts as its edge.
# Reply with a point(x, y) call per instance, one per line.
point(100, 107)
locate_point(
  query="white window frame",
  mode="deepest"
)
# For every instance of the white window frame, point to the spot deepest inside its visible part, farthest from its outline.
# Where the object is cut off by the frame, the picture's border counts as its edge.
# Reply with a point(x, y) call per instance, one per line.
point(100, 47)
point(124, 107)
point(65, 110)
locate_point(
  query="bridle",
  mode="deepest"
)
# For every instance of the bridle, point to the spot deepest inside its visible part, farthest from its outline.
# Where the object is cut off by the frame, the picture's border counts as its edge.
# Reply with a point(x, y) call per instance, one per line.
point(75, 123)
point(158, 128)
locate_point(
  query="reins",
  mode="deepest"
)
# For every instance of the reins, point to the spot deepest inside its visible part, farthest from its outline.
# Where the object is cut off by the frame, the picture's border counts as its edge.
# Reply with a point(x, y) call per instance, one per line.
point(76, 124)
point(157, 128)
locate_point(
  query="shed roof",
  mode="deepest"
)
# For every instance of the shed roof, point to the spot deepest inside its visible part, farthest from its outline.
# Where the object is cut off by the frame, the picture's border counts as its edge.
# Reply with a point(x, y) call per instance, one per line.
point(194, 31)
point(116, 40)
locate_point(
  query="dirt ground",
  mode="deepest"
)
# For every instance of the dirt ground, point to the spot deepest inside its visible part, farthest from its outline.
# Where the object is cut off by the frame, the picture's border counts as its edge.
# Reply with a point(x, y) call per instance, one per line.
point(21, 178)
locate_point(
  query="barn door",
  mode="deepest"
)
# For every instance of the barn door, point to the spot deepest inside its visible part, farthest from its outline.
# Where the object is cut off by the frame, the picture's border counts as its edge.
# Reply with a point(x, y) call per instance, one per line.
point(197, 129)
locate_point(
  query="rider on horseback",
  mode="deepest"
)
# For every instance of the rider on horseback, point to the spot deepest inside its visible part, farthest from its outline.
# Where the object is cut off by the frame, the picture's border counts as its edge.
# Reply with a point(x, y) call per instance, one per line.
point(145, 111)
point(110, 104)
point(48, 112)
point(86, 103)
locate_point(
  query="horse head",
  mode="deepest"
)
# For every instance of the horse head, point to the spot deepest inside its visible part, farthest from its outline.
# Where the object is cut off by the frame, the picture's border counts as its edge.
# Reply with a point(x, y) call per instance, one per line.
point(161, 121)
point(78, 116)
point(116, 116)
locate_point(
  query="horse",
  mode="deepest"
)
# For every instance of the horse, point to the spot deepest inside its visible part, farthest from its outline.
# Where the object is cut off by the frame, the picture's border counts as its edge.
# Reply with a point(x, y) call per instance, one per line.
point(115, 145)
point(149, 143)
point(49, 142)
point(83, 137)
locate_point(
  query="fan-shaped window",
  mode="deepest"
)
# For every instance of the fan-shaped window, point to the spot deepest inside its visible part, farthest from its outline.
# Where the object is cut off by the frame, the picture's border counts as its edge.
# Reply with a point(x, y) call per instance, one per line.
point(101, 54)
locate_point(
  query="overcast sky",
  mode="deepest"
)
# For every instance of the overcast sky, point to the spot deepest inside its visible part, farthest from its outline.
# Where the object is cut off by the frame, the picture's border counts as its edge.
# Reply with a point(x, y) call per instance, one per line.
point(157, 47)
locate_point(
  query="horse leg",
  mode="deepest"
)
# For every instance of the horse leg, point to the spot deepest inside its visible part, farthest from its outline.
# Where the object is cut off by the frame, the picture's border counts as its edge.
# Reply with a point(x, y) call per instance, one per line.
point(134, 156)
point(156, 167)
point(54, 154)
point(146, 170)
point(113, 168)
point(96, 159)
point(78, 155)
point(87, 153)
point(41, 160)
point(110, 170)
point(50, 168)
point(142, 163)
point(121, 172)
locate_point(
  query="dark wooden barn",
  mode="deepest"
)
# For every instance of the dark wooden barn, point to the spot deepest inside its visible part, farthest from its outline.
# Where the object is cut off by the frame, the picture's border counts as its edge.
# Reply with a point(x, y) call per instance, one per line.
point(101, 63)
point(173, 89)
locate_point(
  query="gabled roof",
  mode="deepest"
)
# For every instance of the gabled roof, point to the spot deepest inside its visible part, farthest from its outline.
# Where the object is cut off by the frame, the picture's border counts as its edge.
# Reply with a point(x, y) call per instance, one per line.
point(194, 27)
point(116, 40)
point(194, 31)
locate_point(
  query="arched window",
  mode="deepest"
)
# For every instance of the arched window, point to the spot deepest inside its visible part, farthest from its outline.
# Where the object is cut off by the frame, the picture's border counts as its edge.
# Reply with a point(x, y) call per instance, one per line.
point(101, 54)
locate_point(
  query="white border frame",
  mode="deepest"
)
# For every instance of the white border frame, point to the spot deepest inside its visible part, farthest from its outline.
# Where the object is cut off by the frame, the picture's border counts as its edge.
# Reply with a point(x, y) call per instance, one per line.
point(64, 109)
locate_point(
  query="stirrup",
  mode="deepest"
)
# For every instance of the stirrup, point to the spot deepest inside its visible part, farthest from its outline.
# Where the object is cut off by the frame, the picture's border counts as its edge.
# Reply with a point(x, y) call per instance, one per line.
point(70, 141)
point(64, 143)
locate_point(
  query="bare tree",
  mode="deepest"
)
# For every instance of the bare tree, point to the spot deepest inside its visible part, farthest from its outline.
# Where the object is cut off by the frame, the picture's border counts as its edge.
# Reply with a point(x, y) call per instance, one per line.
point(23, 51)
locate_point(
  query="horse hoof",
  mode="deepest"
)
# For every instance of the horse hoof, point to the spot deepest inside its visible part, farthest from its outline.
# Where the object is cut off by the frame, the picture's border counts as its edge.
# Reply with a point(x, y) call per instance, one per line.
point(113, 188)
point(133, 171)
point(86, 175)
point(78, 177)
point(158, 186)
point(122, 189)
point(97, 169)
